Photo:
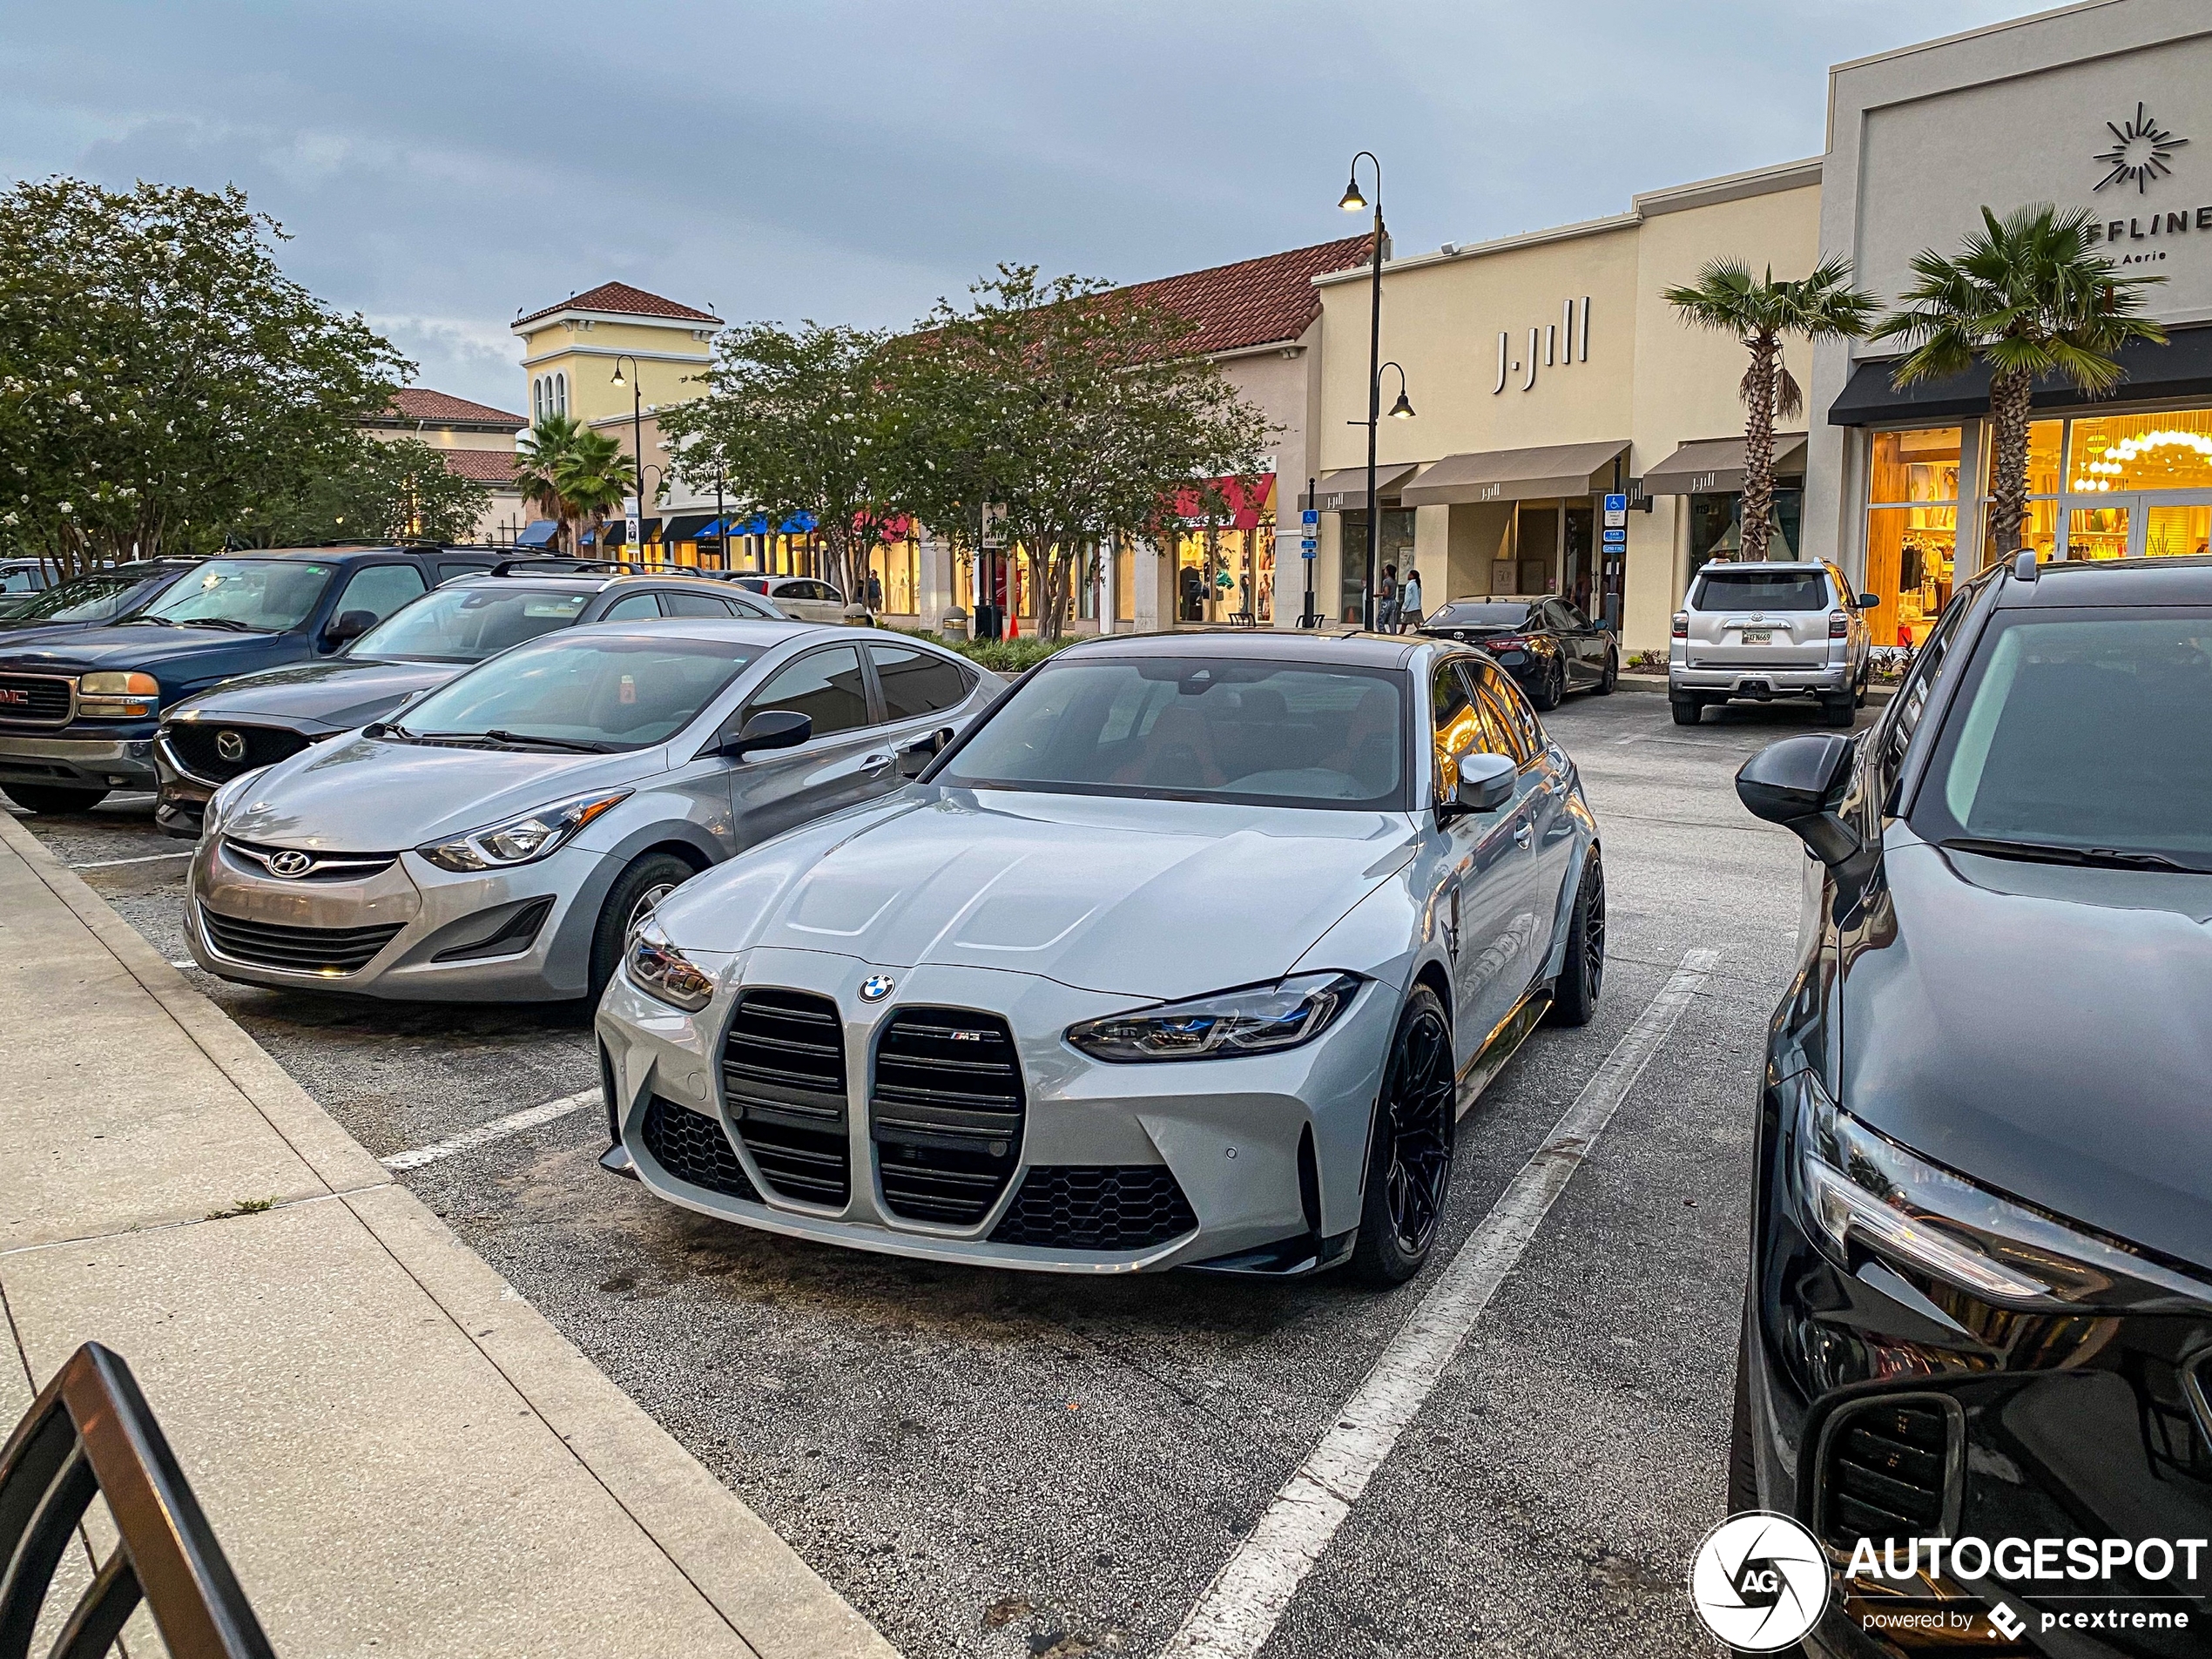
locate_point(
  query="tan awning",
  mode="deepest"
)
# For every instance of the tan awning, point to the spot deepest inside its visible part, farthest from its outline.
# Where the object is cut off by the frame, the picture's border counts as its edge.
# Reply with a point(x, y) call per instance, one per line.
point(1518, 474)
point(1346, 491)
point(1714, 466)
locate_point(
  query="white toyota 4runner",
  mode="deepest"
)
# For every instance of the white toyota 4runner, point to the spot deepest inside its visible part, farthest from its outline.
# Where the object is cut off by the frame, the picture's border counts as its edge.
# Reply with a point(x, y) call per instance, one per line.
point(1768, 630)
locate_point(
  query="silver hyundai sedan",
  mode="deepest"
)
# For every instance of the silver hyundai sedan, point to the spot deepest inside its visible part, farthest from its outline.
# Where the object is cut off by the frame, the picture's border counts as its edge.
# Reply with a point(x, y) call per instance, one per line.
point(1189, 953)
point(496, 839)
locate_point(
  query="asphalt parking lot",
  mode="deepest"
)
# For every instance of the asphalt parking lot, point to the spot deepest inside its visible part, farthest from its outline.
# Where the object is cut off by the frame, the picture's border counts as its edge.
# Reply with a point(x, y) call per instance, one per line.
point(1000, 1464)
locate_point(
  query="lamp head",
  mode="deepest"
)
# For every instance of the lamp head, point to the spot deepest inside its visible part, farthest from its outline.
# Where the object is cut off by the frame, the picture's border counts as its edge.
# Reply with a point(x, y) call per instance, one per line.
point(1353, 201)
point(618, 379)
point(1402, 410)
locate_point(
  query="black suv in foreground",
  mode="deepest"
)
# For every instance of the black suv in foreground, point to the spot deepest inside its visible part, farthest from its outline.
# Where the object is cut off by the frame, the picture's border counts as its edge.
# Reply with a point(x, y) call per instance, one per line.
point(79, 709)
point(1980, 1298)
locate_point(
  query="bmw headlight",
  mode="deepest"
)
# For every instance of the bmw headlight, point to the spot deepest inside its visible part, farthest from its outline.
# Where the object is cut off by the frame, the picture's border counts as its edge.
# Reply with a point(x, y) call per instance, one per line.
point(521, 841)
point(654, 965)
point(1261, 1019)
point(226, 800)
point(1864, 1194)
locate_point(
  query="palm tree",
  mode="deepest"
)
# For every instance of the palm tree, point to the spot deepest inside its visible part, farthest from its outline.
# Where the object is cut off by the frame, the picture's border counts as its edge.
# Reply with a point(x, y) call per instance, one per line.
point(592, 476)
point(1761, 313)
point(2026, 296)
point(540, 455)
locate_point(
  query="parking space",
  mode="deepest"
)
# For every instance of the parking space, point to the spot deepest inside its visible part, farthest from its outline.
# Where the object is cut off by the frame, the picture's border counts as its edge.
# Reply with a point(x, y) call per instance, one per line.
point(995, 1463)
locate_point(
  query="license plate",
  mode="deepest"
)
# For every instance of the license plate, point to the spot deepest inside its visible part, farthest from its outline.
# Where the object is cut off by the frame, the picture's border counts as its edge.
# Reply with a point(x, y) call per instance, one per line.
point(1759, 636)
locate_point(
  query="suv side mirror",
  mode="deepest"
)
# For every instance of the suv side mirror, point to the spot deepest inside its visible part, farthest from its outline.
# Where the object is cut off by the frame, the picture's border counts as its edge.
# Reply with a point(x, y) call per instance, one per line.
point(347, 627)
point(1868, 601)
point(770, 729)
point(1791, 782)
point(1486, 784)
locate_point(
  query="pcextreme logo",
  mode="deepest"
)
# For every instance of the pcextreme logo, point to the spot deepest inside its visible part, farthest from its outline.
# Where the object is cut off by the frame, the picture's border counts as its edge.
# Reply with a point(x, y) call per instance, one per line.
point(1759, 1580)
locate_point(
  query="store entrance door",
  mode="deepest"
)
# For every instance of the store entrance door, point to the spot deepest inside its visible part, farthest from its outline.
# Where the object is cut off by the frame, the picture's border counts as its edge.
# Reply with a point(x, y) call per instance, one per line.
point(2160, 524)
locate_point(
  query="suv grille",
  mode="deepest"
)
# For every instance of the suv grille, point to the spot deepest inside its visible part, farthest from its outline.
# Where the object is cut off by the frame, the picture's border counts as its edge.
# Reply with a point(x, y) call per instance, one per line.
point(1100, 1209)
point(302, 950)
point(944, 1113)
point(35, 700)
point(783, 1073)
point(1885, 1471)
point(197, 745)
point(694, 1149)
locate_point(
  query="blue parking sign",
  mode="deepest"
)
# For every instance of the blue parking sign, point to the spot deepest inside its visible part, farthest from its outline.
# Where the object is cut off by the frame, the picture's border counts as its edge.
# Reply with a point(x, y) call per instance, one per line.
point(1616, 503)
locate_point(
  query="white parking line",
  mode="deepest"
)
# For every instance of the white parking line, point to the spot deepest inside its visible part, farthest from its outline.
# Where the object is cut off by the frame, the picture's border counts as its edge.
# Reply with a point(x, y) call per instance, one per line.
point(150, 858)
point(1247, 1598)
point(498, 1130)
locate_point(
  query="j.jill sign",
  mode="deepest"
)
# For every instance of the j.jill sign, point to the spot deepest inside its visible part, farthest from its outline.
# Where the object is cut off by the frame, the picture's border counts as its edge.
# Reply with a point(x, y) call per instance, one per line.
point(2142, 155)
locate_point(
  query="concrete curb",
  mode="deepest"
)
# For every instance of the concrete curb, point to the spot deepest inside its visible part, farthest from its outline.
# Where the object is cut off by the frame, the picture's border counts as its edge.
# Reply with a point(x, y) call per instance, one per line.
point(758, 1592)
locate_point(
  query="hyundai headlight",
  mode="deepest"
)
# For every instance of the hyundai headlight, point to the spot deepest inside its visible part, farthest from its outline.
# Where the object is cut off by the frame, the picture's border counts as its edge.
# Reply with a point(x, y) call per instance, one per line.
point(109, 695)
point(524, 839)
point(657, 967)
point(1261, 1019)
point(1864, 1195)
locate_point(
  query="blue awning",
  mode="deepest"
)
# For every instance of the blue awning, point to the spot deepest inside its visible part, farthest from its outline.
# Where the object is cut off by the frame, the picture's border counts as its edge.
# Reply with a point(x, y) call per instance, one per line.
point(539, 532)
point(710, 531)
point(799, 523)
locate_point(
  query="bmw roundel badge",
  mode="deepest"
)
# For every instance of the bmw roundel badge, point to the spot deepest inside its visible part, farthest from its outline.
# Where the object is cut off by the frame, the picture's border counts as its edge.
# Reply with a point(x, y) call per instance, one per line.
point(876, 987)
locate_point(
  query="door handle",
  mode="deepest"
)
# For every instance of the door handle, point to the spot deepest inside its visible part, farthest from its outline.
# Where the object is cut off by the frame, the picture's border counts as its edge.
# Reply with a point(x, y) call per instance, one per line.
point(1523, 835)
point(878, 761)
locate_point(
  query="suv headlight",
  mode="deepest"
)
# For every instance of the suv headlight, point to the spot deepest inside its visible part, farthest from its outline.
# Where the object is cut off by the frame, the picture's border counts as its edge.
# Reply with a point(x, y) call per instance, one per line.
point(1261, 1019)
point(1864, 1194)
point(108, 695)
point(524, 839)
point(657, 967)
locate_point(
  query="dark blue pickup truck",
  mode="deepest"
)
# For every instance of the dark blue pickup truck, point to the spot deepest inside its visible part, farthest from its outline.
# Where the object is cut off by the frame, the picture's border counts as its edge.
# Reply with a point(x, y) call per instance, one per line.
point(79, 710)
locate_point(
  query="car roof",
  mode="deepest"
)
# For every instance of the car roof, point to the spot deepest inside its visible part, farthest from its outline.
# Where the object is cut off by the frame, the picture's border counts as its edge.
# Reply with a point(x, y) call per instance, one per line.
point(2184, 580)
point(752, 631)
point(587, 581)
point(1359, 649)
point(1762, 565)
point(1501, 599)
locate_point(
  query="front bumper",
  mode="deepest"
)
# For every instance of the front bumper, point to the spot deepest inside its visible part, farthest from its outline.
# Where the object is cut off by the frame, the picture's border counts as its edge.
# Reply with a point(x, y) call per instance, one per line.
point(2051, 1427)
point(437, 917)
point(1267, 1150)
point(103, 762)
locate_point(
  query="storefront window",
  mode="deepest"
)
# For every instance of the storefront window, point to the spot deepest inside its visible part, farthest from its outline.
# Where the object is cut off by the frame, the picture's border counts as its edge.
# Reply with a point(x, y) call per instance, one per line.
point(897, 570)
point(1912, 529)
point(2135, 452)
point(1397, 549)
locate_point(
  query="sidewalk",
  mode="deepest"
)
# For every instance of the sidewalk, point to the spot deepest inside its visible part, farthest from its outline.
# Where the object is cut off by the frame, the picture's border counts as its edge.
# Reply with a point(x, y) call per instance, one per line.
point(401, 1456)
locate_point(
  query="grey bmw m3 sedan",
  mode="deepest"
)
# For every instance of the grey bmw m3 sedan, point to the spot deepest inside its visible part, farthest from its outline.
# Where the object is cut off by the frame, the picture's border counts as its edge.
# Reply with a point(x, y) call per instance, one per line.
point(496, 839)
point(1189, 953)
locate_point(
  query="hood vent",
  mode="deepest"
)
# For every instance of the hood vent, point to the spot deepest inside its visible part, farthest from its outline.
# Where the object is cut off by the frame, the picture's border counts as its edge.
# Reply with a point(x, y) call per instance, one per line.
point(945, 1113)
point(783, 1075)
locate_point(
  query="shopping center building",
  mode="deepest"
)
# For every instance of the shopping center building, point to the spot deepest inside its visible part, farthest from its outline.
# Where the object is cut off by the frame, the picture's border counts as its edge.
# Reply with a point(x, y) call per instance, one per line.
point(2105, 107)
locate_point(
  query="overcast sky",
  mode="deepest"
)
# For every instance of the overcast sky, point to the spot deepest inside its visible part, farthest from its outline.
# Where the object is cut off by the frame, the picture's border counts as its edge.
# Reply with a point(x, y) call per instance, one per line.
point(441, 166)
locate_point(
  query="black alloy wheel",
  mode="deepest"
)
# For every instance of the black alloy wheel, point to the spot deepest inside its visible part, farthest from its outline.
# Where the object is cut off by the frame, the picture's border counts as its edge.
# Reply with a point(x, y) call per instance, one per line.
point(1611, 678)
point(1581, 976)
point(1409, 1151)
point(1551, 685)
point(50, 797)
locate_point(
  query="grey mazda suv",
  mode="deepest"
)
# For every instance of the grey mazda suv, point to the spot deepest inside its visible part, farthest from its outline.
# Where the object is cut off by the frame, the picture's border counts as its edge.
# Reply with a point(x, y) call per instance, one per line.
point(499, 843)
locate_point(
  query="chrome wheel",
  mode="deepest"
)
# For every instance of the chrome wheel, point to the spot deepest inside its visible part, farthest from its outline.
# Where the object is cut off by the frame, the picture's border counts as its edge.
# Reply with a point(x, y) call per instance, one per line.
point(647, 902)
point(1418, 1162)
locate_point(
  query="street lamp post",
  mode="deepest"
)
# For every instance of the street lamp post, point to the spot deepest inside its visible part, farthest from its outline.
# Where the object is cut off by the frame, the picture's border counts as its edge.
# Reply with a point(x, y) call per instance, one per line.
point(637, 405)
point(1353, 202)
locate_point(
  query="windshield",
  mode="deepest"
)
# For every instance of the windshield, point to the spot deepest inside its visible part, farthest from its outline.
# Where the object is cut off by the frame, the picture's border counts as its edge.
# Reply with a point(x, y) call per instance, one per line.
point(1192, 728)
point(626, 692)
point(1761, 591)
point(261, 595)
point(87, 598)
point(1510, 614)
point(2082, 734)
point(466, 624)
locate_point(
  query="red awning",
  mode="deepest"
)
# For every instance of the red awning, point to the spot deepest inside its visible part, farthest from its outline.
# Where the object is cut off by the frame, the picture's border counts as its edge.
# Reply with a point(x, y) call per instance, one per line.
point(1245, 504)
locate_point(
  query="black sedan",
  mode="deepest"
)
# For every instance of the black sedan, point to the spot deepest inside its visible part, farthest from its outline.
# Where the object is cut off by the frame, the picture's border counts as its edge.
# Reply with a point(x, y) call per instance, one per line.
point(1977, 1349)
point(1541, 640)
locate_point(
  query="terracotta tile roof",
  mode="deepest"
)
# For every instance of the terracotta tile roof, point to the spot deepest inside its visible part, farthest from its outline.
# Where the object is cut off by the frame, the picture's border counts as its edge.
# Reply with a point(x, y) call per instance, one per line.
point(1254, 302)
point(420, 403)
point(621, 297)
point(493, 466)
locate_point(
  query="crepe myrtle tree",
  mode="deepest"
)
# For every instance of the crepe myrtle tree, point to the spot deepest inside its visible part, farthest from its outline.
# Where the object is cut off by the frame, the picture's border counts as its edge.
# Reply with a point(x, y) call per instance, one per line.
point(2026, 296)
point(161, 380)
point(372, 490)
point(1075, 407)
point(805, 421)
point(1763, 314)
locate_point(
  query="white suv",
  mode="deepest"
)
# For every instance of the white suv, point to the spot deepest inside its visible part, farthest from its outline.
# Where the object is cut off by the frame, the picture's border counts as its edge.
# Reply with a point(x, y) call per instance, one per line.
point(1769, 630)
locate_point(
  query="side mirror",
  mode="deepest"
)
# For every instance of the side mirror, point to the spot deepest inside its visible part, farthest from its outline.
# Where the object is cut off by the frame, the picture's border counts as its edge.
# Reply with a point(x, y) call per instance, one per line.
point(1868, 601)
point(1486, 782)
point(1790, 783)
point(347, 627)
point(770, 729)
point(914, 758)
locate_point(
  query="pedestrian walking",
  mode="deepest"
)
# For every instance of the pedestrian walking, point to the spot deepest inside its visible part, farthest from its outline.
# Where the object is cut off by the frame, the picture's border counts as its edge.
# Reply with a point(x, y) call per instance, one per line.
point(875, 591)
point(1409, 601)
point(1386, 601)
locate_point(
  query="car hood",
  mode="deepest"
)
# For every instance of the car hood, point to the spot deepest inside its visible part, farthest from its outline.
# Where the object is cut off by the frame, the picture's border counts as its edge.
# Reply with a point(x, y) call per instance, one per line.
point(128, 645)
point(328, 696)
point(2043, 1028)
point(1146, 897)
point(359, 795)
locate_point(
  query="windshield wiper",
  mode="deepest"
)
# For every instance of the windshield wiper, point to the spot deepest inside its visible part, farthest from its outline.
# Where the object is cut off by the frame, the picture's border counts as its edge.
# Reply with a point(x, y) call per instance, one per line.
point(150, 616)
point(230, 623)
point(2107, 858)
point(496, 735)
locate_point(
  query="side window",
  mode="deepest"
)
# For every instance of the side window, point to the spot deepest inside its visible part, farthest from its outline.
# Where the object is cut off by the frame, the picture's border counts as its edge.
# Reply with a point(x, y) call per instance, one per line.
point(1569, 617)
point(633, 607)
point(916, 682)
point(1458, 727)
point(455, 572)
point(825, 685)
point(1516, 724)
point(743, 604)
point(380, 589)
point(692, 604)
